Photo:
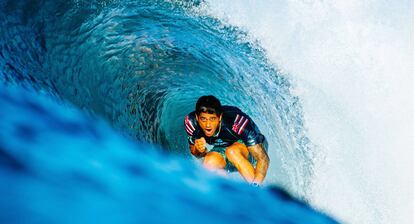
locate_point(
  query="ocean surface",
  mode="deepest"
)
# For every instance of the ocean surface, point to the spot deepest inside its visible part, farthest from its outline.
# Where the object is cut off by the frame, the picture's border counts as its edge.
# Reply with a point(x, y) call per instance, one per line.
point(94, 94)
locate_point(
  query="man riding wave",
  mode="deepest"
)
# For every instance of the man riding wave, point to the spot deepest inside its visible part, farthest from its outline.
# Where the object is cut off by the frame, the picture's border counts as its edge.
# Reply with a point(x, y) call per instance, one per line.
point(228, 139)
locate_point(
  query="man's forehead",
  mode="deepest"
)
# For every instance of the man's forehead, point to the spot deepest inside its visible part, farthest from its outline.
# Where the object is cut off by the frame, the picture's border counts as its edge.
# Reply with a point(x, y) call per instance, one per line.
point(207, 115)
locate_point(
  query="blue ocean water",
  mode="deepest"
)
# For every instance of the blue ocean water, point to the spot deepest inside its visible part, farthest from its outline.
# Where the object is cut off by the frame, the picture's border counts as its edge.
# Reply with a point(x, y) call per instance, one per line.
point(138, 66)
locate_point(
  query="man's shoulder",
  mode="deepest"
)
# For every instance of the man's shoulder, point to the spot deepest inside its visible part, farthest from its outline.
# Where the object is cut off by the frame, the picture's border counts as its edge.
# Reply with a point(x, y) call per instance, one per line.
point(235, 119)
point(190, 123)
point(191, 116)
point(231, 112)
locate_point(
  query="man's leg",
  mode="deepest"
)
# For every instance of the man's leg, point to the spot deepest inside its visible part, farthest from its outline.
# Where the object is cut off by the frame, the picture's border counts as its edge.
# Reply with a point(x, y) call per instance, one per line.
point(214, 161)
point(238, 155)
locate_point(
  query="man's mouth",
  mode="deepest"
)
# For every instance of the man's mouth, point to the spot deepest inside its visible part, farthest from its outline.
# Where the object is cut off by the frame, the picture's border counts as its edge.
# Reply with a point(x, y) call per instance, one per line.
point(209, 130)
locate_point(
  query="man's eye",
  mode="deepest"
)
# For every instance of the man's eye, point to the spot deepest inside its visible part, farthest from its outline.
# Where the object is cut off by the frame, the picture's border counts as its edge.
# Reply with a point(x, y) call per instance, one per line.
point(212, 119)
point(203, 119)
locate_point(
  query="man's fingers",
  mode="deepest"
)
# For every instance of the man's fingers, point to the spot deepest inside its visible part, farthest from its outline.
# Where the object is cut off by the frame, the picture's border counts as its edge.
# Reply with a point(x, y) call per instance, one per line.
point(200, 146)
point(203, 139)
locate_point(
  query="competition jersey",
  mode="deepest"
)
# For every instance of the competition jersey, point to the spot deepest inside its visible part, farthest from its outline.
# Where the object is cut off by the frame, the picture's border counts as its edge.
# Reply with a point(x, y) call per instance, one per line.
point(235, 125)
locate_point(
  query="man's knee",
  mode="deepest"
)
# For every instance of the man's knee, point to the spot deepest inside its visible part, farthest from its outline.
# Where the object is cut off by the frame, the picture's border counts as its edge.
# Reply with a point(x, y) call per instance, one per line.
point(231, 152)
point(236, 150)
point(214, 160)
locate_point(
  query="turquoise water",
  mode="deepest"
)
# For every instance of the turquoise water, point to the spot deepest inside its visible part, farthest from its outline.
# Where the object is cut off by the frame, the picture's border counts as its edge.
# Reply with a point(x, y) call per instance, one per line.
point(141, 65)
point(328, 83)
point(134, 69)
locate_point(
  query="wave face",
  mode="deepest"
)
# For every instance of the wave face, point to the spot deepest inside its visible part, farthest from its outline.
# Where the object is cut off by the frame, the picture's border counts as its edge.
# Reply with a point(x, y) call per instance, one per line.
point(58, 165)
point(141, 65)
point(352, 66)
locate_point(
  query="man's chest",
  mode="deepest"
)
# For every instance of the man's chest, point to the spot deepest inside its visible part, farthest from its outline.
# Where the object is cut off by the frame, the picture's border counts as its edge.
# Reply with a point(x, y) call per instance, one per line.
point(221, 141)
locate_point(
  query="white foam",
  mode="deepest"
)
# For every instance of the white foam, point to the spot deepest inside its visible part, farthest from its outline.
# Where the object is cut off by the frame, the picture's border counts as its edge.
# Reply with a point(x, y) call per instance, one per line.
point(352, 64)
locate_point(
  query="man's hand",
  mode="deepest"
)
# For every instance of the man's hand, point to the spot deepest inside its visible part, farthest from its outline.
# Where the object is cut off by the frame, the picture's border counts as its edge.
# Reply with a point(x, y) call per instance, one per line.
point(262, 165)
point(200, 145)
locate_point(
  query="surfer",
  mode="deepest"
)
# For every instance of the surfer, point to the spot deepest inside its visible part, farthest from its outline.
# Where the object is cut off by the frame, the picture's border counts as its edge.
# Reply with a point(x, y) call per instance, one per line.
point(227, 139)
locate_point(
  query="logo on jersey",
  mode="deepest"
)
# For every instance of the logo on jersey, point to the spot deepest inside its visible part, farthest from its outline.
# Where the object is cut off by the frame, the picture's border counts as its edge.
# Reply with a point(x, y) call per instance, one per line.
point(239, 124)
point(220, 143)
point(189, 127)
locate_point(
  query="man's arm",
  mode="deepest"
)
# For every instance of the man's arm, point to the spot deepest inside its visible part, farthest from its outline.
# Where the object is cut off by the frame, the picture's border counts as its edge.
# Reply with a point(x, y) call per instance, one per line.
point(262, 159)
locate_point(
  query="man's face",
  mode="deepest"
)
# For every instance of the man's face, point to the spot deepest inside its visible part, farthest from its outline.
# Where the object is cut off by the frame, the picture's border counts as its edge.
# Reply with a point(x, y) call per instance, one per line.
point(208, 123)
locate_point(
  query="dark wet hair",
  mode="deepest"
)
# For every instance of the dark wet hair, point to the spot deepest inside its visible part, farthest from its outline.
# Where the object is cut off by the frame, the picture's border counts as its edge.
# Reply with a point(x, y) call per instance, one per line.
point(208, 104)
